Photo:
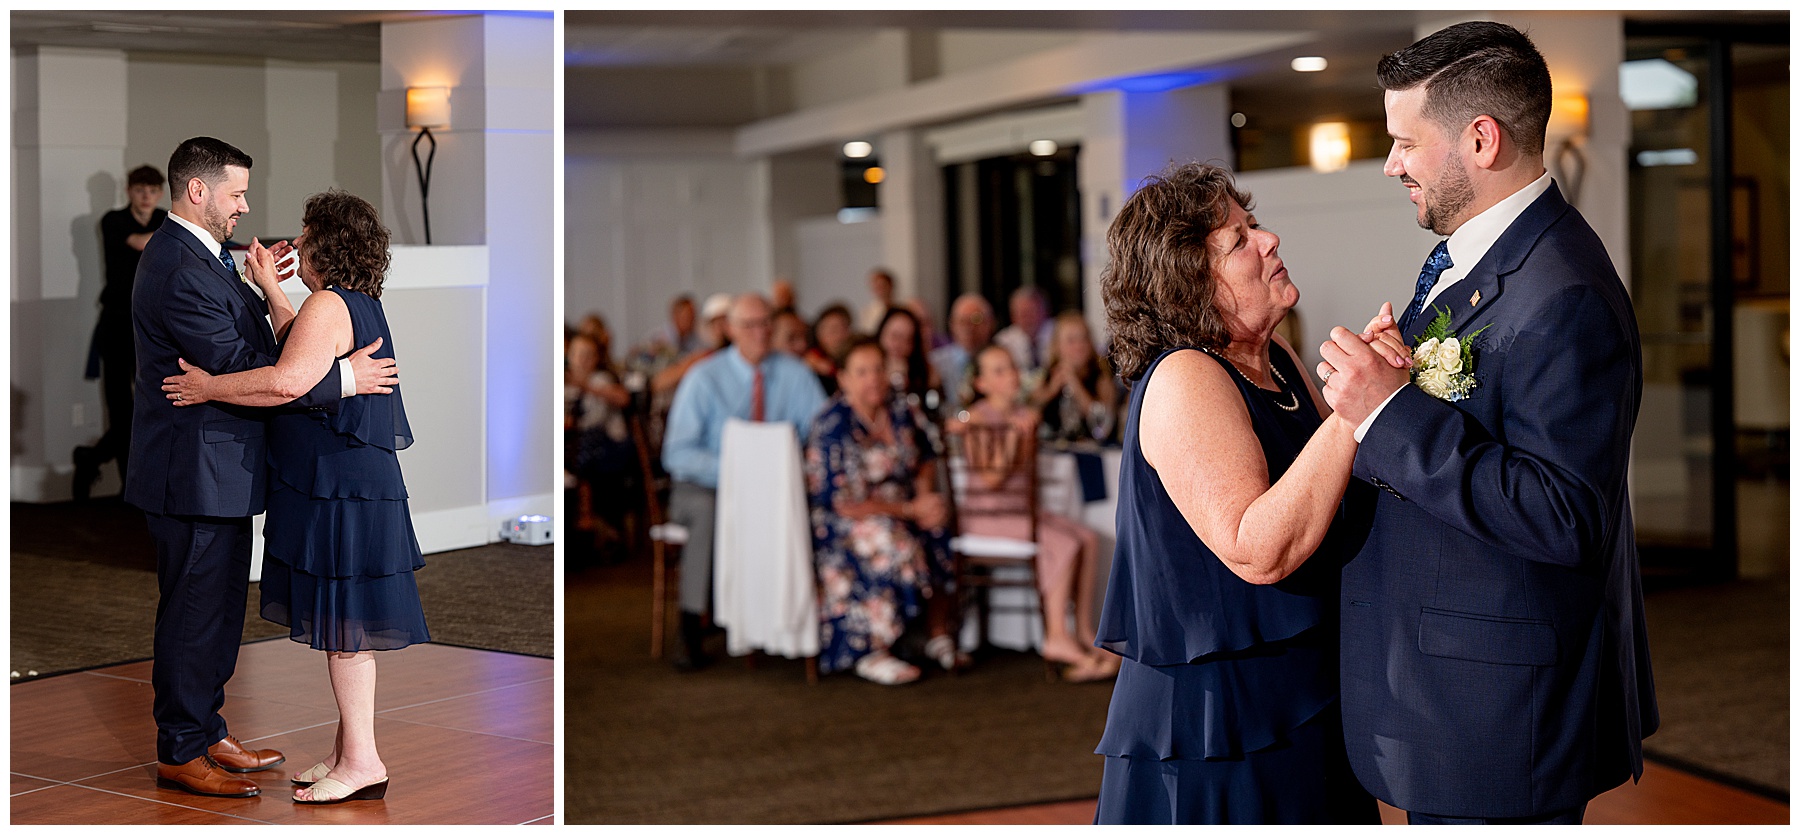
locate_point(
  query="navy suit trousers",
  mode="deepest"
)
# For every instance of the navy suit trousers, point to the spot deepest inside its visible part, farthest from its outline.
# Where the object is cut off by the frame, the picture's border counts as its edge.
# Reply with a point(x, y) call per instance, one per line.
point(203, 574)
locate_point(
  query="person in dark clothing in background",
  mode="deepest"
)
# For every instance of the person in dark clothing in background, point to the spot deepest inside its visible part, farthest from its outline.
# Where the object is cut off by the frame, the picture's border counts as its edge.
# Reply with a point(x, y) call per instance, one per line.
point(123, 233)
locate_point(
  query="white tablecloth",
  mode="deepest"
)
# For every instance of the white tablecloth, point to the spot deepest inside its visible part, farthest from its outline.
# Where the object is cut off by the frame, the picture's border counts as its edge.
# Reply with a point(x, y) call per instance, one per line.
point(1059, 491)
point(763, 551)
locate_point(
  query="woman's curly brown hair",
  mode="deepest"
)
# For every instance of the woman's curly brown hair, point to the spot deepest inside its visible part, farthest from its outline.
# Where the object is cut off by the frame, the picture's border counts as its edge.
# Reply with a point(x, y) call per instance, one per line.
point(346, 245)
point(1158, 288)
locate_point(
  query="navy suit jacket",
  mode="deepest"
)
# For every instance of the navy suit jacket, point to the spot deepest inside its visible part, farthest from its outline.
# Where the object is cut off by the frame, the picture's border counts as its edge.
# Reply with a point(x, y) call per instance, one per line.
point(1494, 659)
point(205, 460)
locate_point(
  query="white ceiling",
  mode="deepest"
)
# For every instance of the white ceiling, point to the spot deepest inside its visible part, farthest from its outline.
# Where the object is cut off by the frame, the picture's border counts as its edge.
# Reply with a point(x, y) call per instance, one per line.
point(290, 35)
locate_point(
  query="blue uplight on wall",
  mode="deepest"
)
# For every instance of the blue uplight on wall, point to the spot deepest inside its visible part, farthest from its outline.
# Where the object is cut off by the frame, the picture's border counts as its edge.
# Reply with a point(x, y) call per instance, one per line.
point(1157, 83)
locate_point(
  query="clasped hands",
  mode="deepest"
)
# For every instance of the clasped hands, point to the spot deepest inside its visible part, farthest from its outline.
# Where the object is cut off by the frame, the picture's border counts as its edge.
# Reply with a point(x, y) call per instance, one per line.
point(1361, 370)
point(260, 264)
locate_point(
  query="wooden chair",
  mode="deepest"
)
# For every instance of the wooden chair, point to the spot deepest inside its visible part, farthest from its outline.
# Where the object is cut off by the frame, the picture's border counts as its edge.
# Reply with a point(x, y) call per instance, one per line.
point(990, 459)
point(666, 540)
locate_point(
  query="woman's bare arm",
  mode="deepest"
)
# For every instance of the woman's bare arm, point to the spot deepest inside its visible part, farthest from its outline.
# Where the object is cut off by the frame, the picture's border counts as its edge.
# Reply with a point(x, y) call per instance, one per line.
point(321, 331)
point(1195, 432)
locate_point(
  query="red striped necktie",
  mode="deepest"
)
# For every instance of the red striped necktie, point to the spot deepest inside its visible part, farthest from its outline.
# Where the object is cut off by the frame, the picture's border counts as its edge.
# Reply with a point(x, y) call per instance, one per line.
point(756, 396)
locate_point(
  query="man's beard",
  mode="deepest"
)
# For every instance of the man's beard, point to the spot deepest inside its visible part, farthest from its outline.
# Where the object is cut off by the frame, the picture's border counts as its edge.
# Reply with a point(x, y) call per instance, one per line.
point(1447, 198)
point(216, 222)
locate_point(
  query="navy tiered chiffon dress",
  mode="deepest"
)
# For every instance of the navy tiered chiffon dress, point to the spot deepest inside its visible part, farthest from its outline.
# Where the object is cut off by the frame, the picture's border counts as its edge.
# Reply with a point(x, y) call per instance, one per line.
point(340, 552)
point(1226, 705)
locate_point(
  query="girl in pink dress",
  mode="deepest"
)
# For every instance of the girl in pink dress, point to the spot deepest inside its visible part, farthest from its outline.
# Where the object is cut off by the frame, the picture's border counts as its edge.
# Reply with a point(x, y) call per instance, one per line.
point(1066, 549)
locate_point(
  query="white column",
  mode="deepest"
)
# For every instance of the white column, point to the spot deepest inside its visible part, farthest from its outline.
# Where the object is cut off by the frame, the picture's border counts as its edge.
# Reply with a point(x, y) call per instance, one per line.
point(492, 183)
point(1127, 137)
point(69, 112)
point(912, 220)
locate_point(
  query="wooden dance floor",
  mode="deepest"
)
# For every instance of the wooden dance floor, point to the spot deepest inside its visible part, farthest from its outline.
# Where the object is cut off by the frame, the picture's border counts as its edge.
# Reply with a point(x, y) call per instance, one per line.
point(467, 736)
point(1665, 795)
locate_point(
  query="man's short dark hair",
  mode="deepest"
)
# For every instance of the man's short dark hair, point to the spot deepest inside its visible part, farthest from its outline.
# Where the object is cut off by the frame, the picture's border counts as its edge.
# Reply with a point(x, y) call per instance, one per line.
point(144, 175)
point(1477, 68)
point(203, 157)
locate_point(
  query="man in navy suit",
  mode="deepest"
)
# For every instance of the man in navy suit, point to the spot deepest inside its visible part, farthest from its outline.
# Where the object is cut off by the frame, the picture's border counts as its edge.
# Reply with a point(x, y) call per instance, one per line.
point(1494, 664)
point(198, 472)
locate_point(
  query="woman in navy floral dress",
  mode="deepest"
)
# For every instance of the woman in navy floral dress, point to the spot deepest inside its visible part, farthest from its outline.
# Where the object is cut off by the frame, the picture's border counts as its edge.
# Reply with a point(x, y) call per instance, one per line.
point(879, 539)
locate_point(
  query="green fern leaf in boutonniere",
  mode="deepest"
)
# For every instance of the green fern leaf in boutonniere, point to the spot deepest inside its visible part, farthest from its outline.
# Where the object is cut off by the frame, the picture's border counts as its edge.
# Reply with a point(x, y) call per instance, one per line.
point(1443, 363)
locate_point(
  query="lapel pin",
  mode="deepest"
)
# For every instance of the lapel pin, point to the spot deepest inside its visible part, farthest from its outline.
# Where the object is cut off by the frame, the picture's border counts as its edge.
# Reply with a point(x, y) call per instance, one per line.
point(1475, 299)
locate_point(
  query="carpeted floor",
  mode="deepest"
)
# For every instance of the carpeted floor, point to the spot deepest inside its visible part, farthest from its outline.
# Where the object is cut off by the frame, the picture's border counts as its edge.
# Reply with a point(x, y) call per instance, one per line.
point(1720, 657)
point(644, 744)
point(84, 592)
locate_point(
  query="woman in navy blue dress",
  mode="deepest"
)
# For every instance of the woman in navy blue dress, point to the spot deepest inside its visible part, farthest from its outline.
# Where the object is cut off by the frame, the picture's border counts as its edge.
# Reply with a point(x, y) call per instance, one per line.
point(1222, 598)
point(339, 550)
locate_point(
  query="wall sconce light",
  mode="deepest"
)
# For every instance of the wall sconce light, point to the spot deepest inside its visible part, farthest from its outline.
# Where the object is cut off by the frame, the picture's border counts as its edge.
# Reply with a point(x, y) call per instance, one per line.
point(1569, 120)
point(1329, 146)
point(426, 108)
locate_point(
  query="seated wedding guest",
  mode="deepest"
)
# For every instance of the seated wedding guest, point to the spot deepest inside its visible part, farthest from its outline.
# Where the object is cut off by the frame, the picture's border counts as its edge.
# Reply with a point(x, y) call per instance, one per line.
point(971, 328)
point(1028, 337)
point(598, 448)
point(881, 292)
point(746, 381)
point(781, 295)
point(789, 335)
point(712, 337)
point(928, 331)
point(831, 336)
point(671, 341)
point(1066, 548)
point(904, 351)
point(879, 536)
point(1077, 396)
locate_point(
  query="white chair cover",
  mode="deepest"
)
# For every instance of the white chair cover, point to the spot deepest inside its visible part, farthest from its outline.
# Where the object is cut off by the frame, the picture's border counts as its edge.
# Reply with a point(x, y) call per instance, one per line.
point(763, 593)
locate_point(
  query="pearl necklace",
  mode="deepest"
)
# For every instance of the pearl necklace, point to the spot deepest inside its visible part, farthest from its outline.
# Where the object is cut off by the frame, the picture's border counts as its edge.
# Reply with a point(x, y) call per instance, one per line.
point(1286, 407)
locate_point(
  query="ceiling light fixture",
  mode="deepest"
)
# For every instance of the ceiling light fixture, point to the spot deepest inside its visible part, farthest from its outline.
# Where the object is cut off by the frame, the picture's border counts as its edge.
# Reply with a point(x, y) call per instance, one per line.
point(1043, 147)
point(1309, 63)
point(858, 149)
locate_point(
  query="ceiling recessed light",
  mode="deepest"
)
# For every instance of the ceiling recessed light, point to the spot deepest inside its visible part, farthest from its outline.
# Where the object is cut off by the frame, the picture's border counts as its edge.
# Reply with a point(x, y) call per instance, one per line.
point(1043, 147)
point(1238, 120)
point(858, 150)
point(1309, 63)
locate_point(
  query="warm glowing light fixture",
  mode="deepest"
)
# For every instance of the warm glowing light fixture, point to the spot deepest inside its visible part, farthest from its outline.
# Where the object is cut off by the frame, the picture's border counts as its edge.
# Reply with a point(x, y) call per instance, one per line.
point(1568, 115)
point(1043, 147)
point(874, 175)
point(1329, 144)
point(858, 149)
point(426, 108)
point(1309, 63)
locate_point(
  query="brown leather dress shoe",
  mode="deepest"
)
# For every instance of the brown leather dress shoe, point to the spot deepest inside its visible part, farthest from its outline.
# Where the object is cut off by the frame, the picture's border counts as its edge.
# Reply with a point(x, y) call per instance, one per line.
point(200, 776)
point(234, 757)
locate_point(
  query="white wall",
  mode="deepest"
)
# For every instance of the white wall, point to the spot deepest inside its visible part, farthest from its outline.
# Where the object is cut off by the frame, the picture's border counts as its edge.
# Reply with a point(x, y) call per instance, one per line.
point(650, 216)
point(306, 127)
point(834, 262)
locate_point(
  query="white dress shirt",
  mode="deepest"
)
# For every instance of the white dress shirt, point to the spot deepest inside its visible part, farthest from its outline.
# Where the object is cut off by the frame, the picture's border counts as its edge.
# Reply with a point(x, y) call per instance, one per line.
point(1468, 245)
point(346, 378)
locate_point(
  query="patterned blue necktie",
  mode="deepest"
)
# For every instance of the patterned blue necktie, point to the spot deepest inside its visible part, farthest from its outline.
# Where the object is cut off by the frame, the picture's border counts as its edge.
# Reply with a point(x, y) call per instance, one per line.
point(225, 256)
point(1434, 267)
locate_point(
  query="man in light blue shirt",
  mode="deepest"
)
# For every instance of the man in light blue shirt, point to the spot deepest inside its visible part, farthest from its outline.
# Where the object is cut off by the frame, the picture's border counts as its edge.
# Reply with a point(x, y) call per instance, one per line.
point(746, 381)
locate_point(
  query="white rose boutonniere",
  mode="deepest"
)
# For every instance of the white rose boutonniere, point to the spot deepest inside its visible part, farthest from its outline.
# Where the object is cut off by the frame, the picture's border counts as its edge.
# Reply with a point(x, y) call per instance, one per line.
point(1443, 363)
